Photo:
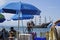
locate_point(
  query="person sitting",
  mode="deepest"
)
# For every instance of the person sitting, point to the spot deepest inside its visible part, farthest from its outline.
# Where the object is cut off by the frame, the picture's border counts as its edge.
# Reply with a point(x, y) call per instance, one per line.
point(12, 32)
point(29, 27)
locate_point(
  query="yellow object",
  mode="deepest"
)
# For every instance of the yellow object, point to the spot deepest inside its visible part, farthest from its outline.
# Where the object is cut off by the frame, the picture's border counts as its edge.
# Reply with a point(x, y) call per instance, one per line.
point(51, 33)
point(47, 35)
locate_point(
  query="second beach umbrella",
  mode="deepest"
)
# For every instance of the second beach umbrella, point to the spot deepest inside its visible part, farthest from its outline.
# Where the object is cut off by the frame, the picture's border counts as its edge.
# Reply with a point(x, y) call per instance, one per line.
point(23, 17)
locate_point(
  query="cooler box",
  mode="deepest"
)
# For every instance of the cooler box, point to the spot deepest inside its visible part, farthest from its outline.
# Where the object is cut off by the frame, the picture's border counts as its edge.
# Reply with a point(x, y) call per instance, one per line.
point(25, 37)
point(38, 38)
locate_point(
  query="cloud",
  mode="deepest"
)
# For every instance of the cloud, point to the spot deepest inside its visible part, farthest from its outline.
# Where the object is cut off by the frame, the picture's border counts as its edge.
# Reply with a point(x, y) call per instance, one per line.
point(5, 2)
point(2, 3)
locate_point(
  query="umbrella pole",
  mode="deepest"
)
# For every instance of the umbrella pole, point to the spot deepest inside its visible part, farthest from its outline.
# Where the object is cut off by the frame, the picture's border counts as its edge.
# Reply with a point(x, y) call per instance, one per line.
point(22, 26)
point(18, 28)
point(18, 25)
point(35, 20)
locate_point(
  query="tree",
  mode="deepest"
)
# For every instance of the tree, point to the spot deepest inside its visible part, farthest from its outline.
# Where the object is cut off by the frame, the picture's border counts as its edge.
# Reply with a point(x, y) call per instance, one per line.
point(2, 18)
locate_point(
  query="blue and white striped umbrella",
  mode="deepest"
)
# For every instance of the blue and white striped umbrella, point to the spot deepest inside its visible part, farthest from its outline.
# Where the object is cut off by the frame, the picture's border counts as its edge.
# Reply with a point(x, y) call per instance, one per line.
point(26, 9)
point(23, 17)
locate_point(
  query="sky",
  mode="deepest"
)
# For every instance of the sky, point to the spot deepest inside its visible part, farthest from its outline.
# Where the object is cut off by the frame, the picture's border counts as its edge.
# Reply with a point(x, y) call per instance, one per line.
point(49, 9)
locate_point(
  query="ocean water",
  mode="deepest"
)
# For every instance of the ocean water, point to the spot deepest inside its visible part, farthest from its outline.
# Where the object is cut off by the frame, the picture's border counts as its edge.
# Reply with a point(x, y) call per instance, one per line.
point(24, 30)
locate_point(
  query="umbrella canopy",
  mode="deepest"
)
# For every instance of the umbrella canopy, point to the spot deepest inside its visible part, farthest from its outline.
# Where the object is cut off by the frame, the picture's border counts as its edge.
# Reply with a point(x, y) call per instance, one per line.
point(58, 24)
point(25, 8)
point(23, 17)
point(1, 10)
